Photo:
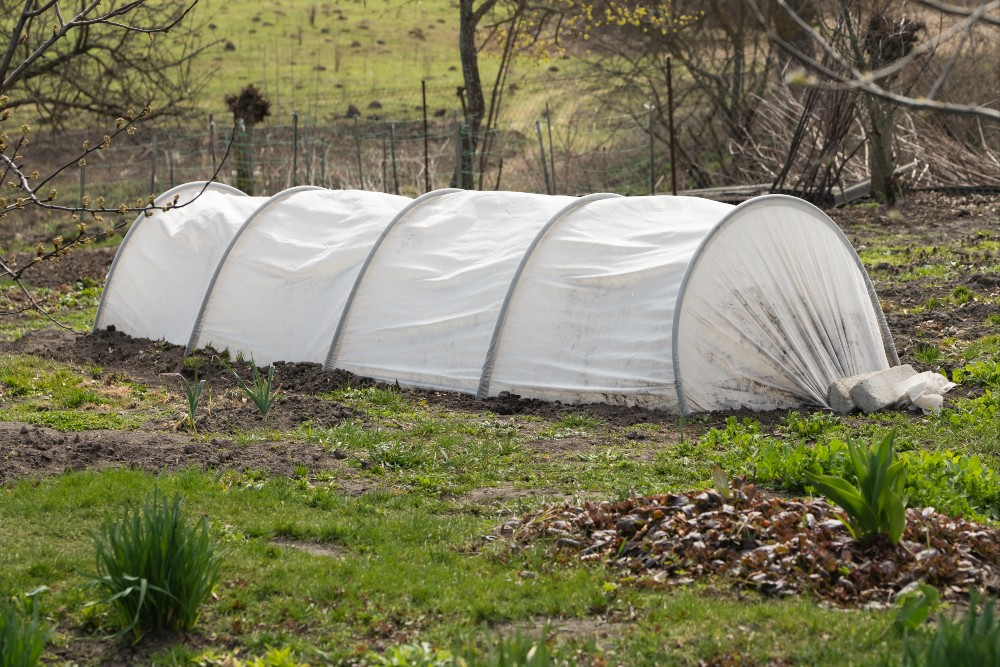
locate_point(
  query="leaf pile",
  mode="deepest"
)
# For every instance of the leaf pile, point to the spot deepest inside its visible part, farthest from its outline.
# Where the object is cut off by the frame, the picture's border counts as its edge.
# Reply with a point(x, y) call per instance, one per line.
point(776, 546)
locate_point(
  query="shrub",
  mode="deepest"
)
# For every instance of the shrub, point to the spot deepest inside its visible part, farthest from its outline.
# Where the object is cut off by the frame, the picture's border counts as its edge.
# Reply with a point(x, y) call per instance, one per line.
point(155, 567)
point(23, 634)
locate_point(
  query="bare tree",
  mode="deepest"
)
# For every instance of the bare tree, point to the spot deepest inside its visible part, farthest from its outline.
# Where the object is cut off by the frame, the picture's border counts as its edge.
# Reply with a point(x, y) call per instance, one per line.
point(91, 60)
point(42, 34)
point(872, 49)
point(722, 64)
point(851, 69)
point(508, 27)
point(471, 15)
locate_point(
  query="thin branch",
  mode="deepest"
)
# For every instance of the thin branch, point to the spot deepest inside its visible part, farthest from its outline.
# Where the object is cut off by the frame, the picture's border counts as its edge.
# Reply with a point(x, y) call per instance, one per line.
point(855, 80)
point(954, 10)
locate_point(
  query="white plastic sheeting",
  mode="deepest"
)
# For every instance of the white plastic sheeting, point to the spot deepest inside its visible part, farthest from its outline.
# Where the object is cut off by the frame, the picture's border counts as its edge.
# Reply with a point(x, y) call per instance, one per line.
point(775, 307)
point(425, 309)
point(663, 302)
point(164, 264)
point(280, 289)
point(590, 318)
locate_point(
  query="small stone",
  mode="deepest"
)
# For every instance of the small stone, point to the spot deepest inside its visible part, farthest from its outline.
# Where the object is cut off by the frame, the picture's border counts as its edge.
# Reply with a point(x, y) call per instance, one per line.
point(878, 390)
point(838, 394)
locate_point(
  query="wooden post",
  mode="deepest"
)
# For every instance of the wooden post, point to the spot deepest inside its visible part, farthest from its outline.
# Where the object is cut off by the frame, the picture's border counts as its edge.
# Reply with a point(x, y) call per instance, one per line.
point(152, 167)
point(295, 147)
point(670, 123)
point(427, 171)
point(392, 155)
point(357, 148)
point(552, 153)
point(211, 142)
point(652, 156)
point(541, 148)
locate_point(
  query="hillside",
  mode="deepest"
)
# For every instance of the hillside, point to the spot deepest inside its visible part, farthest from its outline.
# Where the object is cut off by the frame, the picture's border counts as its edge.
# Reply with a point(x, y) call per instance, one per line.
point(316, 58)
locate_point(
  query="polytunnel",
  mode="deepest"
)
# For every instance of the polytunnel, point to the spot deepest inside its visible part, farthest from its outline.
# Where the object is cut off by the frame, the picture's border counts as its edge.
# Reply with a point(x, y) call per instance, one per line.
point(663, 302)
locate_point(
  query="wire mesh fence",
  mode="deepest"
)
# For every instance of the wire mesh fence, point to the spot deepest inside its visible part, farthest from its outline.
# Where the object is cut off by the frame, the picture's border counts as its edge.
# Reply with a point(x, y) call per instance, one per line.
point(394, 143)
point(394, 140)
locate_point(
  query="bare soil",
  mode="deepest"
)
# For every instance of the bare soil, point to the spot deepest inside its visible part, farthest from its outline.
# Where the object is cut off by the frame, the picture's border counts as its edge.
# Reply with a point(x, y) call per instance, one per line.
point(924, 220)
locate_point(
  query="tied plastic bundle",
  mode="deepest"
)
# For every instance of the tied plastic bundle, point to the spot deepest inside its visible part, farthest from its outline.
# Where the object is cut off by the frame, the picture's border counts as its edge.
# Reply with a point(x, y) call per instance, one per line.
point(924, 390)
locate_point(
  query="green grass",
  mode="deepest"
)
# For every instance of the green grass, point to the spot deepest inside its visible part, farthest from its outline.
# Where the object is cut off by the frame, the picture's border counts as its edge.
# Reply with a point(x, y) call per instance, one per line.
point(49, 393)
point(397, 562)
point(330, 576)
point(74, 306)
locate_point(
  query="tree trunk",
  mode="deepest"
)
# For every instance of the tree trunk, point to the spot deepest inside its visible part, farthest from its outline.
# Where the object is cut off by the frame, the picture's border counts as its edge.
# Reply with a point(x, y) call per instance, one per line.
point(881, 161)
point(475, 101)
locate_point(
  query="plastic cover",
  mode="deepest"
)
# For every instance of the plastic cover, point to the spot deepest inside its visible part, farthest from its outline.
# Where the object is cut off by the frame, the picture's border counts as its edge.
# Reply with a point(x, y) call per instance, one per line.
point(164, 264)
point(775, 307)
point(425, 310)
point(281, 287)
point(660, 302)
point(590, 319)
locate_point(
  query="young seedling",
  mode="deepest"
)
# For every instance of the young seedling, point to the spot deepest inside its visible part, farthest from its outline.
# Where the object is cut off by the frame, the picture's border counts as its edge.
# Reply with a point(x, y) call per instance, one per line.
point(262, 392)
point(193, 392)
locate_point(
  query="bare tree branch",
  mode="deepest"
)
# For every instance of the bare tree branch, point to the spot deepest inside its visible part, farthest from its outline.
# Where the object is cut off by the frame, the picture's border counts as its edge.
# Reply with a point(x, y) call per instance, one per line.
point(852, 78)
point(945, 8)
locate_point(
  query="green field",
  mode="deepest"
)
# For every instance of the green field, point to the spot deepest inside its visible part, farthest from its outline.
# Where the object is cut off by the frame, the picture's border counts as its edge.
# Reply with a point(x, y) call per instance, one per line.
point(318, 57)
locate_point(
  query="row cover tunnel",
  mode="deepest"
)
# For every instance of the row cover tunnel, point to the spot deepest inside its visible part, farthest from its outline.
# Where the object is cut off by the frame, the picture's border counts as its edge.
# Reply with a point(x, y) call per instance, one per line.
point(663, 302)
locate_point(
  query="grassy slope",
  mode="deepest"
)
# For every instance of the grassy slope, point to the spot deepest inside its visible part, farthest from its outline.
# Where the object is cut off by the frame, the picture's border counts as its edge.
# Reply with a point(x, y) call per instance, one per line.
point(319, 57)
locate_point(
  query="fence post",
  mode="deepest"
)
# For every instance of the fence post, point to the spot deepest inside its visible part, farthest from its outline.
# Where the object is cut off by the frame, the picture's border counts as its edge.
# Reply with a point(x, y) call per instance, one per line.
point(295, 147)
point(427, 171)
point(392, 154)
point(466, 157)
point(152, 167)
point(169, 154)
point(604, 167)
point(309, 165)
point(541, 148)
point(322, 167)
point(552, 153)
point(652, 162)
point(670, 122)
point(385, 161)
point(211, 142)
point(244, 163)
point(357, 148)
